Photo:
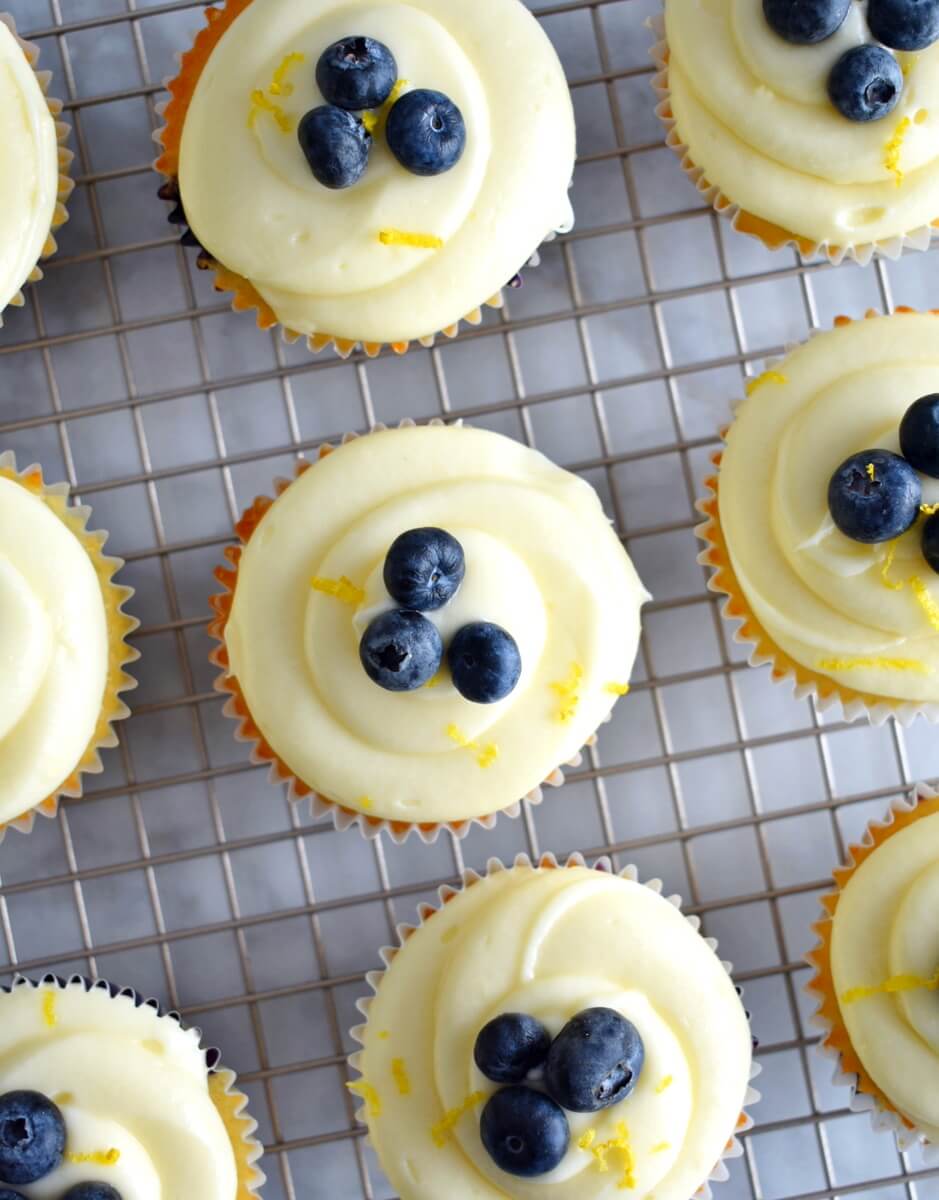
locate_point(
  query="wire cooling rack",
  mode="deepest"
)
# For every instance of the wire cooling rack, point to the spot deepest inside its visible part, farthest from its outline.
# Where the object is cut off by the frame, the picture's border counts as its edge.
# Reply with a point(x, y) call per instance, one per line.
point(183, 872)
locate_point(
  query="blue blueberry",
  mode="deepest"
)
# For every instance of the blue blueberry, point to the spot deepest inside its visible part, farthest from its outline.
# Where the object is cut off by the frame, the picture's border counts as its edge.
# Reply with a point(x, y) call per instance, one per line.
point(525, 1133)
point(931, 541)
point(904, 24)
point(356, 73)
point(919, 435)
point(336, 145)
point(595, 1061)
point(6, 1194)
point(32, 1137)
point(874, 509)
point(485, 662)
point(426, 132)
point(510, 1046)
point(91, 1191)
point(805, 22)
point(401, 650)
point(865, 83)
point(424, 569)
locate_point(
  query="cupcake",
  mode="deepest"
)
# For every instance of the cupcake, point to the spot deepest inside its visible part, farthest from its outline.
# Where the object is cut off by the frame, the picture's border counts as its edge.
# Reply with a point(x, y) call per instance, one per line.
point(62, 645)
point(33, 165)
point(877, 971)
point(821, 525)
point(423, 626)
point(814, 124)
point(368, 174)
point(554, 1032)
point(104, 1097)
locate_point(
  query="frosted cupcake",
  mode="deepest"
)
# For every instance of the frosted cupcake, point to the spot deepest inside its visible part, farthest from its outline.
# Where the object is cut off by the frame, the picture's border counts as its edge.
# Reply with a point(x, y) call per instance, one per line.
point(822, 528)
point(553, 1032)
point(393, 186)
point(424, 626)
point(102, 1097)
point(62, 643)
point(812, 124)
point(33, 165)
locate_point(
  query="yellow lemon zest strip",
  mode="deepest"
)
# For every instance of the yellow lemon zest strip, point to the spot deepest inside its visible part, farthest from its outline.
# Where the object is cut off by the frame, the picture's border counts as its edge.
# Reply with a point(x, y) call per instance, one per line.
point(766, 377)
point(619, 1144)
point(569, 691)
point(486, 756)
point(661, 1147)
point(420, 241)
point(48, 1009)
point(887, 564)
point(279, 85)
point(368, 1094)
point(896, 983)
point(63, 1098)
point(343, 589)
point(376, 119)
point(400, 1075)
point(666, 1083)
point(929, 510)
point(383, 1035)
point(927, 603)
point(364, 802)
point(441, 1131)
point(879, 664)
point(894, 148)
point(261, 103)
point(871, 473)
point(587, 1139)
point(101, 1158)
point(617, 689)
point(436, 681)
point(370, 121)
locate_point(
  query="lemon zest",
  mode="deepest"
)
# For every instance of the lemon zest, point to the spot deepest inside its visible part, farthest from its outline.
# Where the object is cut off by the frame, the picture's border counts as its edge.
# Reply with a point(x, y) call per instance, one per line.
point(261, 103)
point(48, 1009)
point(927, 603)
point(363, 1088)
point(101, 1158)
point(569, 691)
point(586, 1139)
point(377, 118)
point(365, 803)
point(896, 983)
point(661, 1147)
point(485, 755)
point(399, 1073)
point(420, 241)
point(441, 1131)
point(62, 1098)
point(343, 589)
point(370, 121)
point(929, 510)
point(617, 689)
point(766, 377)
point(871, 473)
point(895, 586)
point(436, 681)
point(383, 1035)
point(279, 85)
point(894, 149)
point(665, 1083)
point(879, 664)
point(617, 1145)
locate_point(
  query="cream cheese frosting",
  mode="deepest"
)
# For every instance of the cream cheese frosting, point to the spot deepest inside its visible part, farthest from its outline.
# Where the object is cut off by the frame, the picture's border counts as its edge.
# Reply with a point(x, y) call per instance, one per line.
point(886, 928)
point(315, 255)
point(550, 943)
point(867, 616)
point(542, 561)
point(753, 111)
point(132, 1087)
point(29, 170)
point(53, 650)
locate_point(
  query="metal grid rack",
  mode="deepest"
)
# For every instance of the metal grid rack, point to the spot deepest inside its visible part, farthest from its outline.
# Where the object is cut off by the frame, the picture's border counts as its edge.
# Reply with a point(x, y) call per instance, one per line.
point(183, 872)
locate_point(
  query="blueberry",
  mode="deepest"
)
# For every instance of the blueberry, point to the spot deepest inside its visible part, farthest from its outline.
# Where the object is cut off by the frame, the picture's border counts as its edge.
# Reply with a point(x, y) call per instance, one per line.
point(356, 73)
point(595, 1061)
point(32, 1137)
point(524, 1131)
point(91, 1191)
point(6, 1194)
point(426, 132)
point(865, 83)
point(510, 1046)
point(484, 662)
point(401, 650)
point(904, 24)
point(919, 435)
point(424, 569)
point(336, 145)
point(931, 541)
point(805, 22)
point(874, 496)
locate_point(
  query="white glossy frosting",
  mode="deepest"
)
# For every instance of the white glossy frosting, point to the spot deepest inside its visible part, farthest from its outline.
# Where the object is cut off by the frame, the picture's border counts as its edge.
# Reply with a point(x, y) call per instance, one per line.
point(819, 595)
point(552, 943)
point(315, 254)
point(126, 1080)
point(886, 925)
point(29, 171)
point(541, 560)
point(53, 650)
point(754, 112)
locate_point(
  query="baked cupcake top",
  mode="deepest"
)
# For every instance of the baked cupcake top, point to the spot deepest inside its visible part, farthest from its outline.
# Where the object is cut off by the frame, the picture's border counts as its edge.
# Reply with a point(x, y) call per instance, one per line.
point(381, 253)
point(763, 112)
point(29, 167)
point(815, 447)
point(451, 1084)
point(438, 707)
point(119, 1095)
point(885, 968)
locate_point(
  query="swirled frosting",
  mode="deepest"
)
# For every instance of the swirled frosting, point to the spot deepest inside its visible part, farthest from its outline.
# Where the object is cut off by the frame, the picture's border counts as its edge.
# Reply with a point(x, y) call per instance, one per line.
point(53, 650)
point(754, 112)
point(29, 170)
point(315, 255)
point(551, 943)
point(541, 560)
point(886, 929)
point(127, 1081)
point(863, 615)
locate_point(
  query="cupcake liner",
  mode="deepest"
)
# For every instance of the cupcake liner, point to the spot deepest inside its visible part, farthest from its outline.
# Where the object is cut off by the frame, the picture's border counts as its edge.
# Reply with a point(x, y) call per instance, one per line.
point(773, 237)
point(446, 894)
point(262, 753)
point(245, 297)
point(825, 691)
point(62, 130)
point(120, 626)
point(835, 1043)
point(230, 1103)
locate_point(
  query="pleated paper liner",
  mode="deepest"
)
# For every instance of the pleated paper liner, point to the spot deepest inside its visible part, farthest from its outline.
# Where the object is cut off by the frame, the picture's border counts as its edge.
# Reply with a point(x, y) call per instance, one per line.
point(120, 626)
point(446, 894)
point(835, 1044)
point(773, 237)
point(62, 131)
point(230, 1103)
point(237, 707)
